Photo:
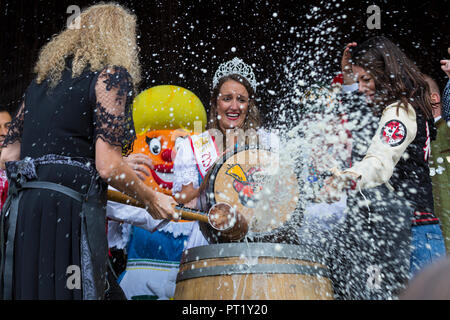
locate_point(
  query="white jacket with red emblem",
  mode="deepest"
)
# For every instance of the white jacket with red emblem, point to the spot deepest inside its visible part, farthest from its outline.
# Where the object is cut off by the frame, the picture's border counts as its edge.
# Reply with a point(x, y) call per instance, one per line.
point(398, 157)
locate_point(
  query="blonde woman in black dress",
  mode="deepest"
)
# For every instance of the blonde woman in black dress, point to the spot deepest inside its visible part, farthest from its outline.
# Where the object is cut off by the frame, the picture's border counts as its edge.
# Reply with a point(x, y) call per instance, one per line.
point(63, 148)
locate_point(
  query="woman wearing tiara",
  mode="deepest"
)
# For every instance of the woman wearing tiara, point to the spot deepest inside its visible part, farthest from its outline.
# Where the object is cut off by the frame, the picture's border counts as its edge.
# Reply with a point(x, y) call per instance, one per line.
point(233, 107)
point(62, 149)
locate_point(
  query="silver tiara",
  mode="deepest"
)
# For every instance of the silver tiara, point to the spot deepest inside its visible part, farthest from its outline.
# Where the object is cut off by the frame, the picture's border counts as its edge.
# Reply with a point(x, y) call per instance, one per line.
point(235, 66)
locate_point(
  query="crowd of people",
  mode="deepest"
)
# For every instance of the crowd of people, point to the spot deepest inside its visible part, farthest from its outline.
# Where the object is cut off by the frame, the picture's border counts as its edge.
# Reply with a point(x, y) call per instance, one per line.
point(73, 133)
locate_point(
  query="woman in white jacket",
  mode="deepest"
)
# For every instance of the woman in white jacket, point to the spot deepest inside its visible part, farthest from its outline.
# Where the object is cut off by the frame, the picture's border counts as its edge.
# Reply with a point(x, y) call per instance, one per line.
point(394, 194)
point(233, 113)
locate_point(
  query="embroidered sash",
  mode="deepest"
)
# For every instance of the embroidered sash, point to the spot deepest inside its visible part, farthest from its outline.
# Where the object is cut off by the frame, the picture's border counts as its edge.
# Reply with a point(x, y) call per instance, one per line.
point(205, 151)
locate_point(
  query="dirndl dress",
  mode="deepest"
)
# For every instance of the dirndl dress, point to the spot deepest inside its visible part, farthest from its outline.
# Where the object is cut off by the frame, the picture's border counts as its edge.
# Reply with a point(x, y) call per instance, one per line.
point(53, 241)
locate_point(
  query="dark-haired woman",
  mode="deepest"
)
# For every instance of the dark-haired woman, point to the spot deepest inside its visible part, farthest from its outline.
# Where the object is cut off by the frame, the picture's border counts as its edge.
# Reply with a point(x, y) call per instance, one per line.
point(392, 181)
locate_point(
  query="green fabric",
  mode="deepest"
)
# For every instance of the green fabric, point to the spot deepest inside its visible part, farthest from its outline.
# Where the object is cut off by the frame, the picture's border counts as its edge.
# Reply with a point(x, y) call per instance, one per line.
point(440, 152)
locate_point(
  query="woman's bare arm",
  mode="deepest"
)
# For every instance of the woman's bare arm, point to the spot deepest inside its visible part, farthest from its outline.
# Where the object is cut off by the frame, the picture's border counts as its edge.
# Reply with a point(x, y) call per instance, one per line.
point(114, 170)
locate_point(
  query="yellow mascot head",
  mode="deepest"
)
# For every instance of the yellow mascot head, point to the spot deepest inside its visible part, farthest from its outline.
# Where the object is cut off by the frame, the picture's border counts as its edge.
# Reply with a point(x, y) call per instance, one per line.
point(162, 115)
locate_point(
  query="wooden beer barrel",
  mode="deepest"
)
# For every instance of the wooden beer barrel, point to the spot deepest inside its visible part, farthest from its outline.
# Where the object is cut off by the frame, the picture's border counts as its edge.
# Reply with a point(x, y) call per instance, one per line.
point(252, 271)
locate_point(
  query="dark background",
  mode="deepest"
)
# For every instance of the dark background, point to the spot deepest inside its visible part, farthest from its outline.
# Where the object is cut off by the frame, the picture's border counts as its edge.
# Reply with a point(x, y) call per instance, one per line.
point(183, 42)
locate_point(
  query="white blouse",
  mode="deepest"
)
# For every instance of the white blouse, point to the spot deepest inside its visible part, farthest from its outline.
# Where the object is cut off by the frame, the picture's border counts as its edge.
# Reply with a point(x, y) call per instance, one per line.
point(184, 167)
point(186, 172)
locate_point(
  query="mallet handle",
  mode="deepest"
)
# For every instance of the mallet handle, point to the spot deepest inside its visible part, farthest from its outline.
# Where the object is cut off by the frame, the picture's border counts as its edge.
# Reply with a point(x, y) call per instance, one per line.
point(186, 213)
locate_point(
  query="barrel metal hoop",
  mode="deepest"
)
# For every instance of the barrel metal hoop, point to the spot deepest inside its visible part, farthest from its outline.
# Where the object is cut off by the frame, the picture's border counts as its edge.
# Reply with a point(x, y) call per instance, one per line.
point(252, 269)
point(250, 250)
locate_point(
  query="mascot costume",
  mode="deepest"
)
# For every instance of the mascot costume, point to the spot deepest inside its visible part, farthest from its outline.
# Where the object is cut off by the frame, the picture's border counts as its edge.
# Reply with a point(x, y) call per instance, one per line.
point(162, 116)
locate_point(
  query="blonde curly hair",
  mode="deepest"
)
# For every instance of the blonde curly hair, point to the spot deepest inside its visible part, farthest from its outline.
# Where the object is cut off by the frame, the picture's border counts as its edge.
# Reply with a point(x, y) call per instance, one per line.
point(106, 37)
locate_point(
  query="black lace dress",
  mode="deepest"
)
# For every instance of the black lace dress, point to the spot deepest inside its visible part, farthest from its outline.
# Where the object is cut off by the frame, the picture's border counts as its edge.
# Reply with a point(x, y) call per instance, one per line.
point(58, 128)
